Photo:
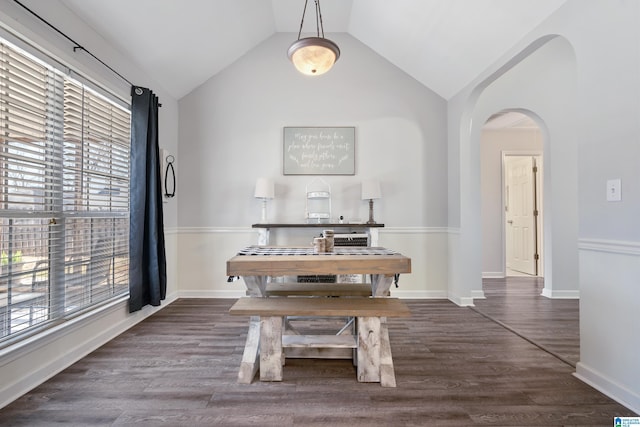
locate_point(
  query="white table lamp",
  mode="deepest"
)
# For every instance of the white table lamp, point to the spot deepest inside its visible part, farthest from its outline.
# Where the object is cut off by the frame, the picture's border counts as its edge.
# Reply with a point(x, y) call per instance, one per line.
point(265, 190)
point(370, 191)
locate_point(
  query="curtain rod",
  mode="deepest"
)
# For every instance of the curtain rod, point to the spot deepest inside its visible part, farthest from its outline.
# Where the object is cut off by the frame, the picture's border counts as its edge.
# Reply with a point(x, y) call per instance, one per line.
point(77, 46)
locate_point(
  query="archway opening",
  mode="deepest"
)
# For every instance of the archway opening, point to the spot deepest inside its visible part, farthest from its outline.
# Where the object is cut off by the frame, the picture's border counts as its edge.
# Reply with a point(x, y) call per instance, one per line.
point(512, 209)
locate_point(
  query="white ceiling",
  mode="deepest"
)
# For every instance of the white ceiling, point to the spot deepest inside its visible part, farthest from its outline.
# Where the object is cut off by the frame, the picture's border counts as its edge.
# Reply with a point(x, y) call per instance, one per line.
point(443, 44)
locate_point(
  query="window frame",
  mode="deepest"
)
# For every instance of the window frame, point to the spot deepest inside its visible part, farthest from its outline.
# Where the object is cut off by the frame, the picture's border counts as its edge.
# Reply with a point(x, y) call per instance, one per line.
point(56, 269)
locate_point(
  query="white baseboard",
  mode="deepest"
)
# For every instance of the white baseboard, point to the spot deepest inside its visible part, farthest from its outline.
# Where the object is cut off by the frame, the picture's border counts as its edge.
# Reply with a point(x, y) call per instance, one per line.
point(617, 392)
point(461, 301)
point(397, 293)
point(493, 275)
point(553, 294)
point(213, 294)
point(478, 294)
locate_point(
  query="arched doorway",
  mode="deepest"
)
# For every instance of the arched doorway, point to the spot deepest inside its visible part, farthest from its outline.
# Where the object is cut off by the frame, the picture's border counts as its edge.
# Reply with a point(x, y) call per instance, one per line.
point(512, 195)
point(540, 80)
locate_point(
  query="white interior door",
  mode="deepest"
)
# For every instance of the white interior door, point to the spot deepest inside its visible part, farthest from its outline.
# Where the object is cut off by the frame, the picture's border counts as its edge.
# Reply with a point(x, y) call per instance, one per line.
point(520, 227)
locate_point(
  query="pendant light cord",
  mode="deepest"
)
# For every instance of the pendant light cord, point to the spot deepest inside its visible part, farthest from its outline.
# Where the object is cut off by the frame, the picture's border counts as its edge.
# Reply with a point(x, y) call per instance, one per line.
point(319, 19)
point(304, 12)
point(319, 26)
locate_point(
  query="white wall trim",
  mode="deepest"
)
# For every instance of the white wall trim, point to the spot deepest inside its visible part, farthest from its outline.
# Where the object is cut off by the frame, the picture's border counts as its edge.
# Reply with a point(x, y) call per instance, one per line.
point(478, 294)
point(385, 230)
point(414, 230)
point(608, 387)
point(398, 293)
point(214, 294)
point(493, 275)
point(170, 230)
point(610, 246)
point(461, 301)
point(55, 365)
point(555, 294)
point(216, 230)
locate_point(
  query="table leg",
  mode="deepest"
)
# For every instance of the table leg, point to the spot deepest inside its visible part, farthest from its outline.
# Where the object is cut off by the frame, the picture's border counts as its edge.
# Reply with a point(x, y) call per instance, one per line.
point(380, 285)
point(256, 285)
point(387, 373)
point(271, 348)
point(249, 364)
point(369, 349)
point(263, 236)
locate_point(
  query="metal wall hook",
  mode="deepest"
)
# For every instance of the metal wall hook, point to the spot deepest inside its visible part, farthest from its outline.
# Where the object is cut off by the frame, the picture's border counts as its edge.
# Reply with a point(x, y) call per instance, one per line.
point(170, 160)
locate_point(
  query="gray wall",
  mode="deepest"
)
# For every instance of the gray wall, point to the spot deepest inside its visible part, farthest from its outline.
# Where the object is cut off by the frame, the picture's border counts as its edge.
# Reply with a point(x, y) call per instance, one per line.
point(584, 89)
point(231, 133)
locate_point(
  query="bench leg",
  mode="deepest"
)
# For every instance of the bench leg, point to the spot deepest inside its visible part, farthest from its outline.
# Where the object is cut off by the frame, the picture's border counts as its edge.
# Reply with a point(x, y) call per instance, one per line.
point(271, 348)
point(387, 373)
point(369, 349)
point(249, 364)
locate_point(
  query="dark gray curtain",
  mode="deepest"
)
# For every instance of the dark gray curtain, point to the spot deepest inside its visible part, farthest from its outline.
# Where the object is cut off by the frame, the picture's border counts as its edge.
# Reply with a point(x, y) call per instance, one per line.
point(147, 263)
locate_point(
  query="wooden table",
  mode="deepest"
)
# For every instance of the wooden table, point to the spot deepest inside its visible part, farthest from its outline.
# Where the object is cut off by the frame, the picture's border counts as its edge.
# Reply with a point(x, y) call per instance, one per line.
point(259, 264)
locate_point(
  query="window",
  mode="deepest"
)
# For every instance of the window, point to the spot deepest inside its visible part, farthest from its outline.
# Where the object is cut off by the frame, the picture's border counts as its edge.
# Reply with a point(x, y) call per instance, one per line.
point(64, 196)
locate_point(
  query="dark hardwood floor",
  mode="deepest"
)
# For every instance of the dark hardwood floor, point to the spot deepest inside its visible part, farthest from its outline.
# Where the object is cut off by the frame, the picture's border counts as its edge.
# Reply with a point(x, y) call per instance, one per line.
point(552, 324)
point(454, 367)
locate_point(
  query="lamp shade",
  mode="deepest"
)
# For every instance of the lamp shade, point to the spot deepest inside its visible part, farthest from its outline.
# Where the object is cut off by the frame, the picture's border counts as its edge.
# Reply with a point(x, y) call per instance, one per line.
point(264, 189)
point(371, 190)
point(313, 56)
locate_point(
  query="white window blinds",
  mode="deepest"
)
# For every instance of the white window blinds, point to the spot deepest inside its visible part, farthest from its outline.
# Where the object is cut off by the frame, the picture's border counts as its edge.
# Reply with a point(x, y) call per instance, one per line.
point(64, 180)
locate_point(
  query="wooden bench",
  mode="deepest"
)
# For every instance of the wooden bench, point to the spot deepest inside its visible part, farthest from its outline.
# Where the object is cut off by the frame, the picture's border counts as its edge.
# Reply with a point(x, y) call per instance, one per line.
point(266, 341)
point(285, 289)
point(321, 290)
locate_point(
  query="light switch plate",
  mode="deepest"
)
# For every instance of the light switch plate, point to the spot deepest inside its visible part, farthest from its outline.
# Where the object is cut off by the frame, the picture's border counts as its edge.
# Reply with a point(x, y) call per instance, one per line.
point(614, 190)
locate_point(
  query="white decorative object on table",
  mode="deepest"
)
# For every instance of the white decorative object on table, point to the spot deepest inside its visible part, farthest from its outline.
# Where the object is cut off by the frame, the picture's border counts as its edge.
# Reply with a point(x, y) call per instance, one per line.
point(318, 201)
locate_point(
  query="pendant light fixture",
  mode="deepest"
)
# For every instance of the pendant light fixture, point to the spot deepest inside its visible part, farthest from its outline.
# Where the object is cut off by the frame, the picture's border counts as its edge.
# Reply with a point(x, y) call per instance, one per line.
point(313, 55)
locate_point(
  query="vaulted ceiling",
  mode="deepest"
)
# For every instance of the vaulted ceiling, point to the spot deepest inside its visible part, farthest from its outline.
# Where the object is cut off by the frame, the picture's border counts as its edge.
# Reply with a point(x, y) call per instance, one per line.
point(443, 44)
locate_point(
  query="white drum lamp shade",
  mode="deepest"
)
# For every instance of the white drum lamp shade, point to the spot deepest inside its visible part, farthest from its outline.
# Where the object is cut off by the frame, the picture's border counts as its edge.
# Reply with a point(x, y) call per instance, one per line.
point(371, 190)
point(265, 190)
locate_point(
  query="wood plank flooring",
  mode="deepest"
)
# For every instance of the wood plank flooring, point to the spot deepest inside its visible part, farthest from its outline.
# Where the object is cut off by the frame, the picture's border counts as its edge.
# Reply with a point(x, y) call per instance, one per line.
point(454, 367)
point(552, 324)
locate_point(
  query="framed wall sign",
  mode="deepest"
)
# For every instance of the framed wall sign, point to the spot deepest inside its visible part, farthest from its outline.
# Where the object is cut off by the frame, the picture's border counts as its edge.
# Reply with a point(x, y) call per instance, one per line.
point(319, 151)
